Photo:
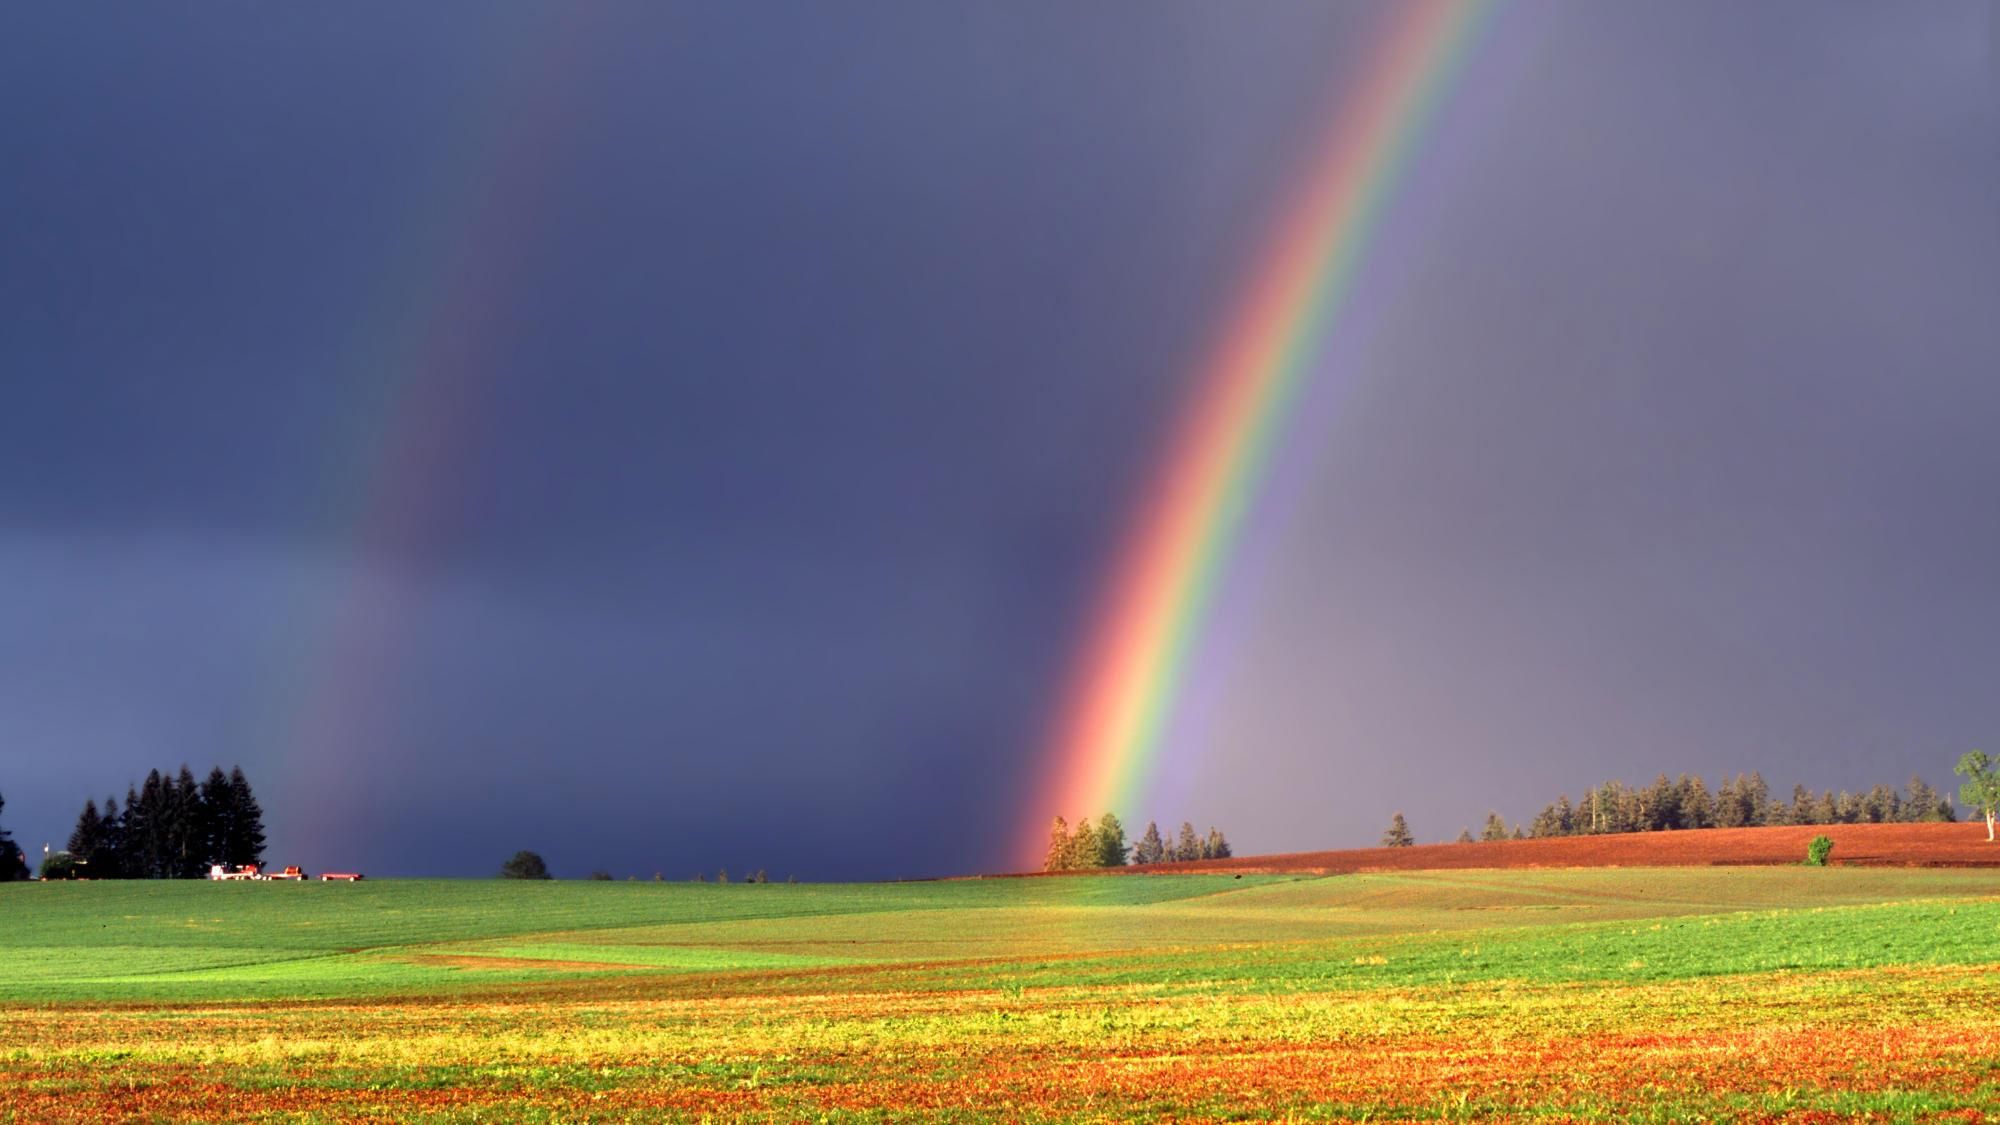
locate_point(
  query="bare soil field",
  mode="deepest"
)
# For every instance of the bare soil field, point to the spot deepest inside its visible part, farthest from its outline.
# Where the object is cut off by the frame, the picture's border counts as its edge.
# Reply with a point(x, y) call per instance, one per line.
point(1869, 845)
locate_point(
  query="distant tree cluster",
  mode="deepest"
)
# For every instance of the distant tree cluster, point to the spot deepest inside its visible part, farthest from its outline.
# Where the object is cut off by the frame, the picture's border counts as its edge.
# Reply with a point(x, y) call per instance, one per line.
point(1103, 844)
point(170, 827)
point(1742, 801)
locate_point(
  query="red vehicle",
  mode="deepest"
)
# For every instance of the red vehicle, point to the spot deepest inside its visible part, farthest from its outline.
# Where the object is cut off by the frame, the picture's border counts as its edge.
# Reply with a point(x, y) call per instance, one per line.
point(340, 877)
point(293, 874)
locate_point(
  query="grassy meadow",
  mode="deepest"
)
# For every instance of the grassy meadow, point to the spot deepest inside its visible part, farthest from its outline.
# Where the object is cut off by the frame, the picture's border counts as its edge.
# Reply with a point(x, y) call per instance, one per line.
point(1588, 994)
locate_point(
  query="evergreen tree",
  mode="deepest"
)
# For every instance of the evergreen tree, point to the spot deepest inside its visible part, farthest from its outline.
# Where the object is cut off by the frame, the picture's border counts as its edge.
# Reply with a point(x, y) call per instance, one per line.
point(1881, 805)
point(1083, 852)
point(1659, 806)
point(1847, 808)
point(217, 818)
point(131, 861)
point(1397, 835)
point(1216, 846)
point(86, 841)
point(246, 839)
point(1496, 829)
point(1057, 858)
point(1697, 808)
point(1111, 846)
point(110, 862)
point(1544, 823)
point(1775, 811)
point(1188, 845)
point(183, 823)
point(1151, 849)
point(1756, 799)
point(1802, 805)
point(1921, 802)
point(144, 829)
point(13, 864)
point(1465, 835)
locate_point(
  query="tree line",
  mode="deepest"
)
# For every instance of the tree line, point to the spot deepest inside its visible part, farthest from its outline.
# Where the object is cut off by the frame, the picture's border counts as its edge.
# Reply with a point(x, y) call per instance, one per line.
point(1103, 844)
point(1686, 801)
point(1742, 801)
point(170, 827)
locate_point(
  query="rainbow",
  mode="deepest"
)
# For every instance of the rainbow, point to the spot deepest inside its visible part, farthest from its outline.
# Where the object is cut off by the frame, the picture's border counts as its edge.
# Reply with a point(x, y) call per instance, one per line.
point(401, 462)
point(1131, 672)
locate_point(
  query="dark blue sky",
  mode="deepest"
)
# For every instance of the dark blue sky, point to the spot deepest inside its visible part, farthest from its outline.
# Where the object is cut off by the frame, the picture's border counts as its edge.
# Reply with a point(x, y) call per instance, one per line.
point(668, 436)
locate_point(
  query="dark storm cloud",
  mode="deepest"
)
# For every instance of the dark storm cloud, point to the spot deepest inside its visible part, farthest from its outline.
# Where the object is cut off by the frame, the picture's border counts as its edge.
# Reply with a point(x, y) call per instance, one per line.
point(819, 353)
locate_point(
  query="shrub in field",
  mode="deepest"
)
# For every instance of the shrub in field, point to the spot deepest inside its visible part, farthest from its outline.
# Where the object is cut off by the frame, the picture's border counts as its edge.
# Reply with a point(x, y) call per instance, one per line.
point(1818, 850)
point(600, 877)
point(524, 865)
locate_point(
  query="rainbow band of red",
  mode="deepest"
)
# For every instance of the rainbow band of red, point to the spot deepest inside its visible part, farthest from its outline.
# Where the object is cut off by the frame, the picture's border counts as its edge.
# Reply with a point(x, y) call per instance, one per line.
point(1131, 670)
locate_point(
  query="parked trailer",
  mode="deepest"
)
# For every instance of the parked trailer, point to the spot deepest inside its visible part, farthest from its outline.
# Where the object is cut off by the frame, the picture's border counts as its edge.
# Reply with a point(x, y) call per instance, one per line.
point(340, 877)
point(222, 872)
point(293, 874)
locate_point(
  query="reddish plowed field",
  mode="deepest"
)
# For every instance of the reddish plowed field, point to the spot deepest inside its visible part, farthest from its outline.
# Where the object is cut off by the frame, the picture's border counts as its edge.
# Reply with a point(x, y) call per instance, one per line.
point(1874, 845)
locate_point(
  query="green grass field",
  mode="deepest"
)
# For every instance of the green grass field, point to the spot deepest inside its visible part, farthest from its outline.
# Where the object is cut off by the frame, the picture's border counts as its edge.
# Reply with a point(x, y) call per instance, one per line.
point(1656, 994)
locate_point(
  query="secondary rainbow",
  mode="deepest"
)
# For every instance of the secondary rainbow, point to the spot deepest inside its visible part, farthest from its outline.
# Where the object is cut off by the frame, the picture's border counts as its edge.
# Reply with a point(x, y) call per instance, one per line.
point(1131, 669)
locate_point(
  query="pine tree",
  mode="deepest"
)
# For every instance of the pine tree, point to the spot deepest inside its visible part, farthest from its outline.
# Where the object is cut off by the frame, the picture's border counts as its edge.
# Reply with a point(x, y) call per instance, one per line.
point(1847, 808)
point(1111, 847)
point(1397, 835)
point(1756, 799)
point(1083, 850)
point(86, 841)
point(144, 826)
point(247, 827)
point(1216, 846)
point(1496, 829)
point(110, 861)
point(1881, 805)
point(181, 805)
point(1465, 835)
point(1057, 858)
point(217, 817)
point(1150, 848)
point(13, 865)
point(1659, 806)
point(1802, 805)
point(1697, 808)
point(1187, 846)
point(1921, 802)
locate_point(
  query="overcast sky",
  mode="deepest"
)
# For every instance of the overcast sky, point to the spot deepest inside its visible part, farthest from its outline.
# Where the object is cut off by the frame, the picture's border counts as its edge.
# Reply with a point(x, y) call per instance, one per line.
point(673, 436)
